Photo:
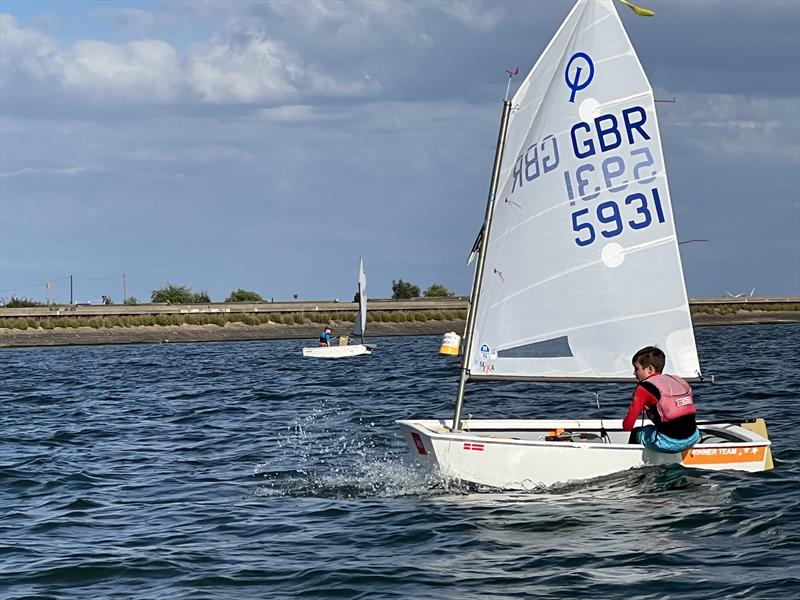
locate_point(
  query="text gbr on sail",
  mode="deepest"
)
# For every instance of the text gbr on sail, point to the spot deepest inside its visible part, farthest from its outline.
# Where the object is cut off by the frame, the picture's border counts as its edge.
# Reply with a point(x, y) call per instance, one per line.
point(606, 127)
point(586, 142)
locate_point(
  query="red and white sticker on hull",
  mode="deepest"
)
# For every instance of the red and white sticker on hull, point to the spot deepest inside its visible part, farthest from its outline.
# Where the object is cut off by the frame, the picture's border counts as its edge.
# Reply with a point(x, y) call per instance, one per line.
point(473, 446)
point(418, 442)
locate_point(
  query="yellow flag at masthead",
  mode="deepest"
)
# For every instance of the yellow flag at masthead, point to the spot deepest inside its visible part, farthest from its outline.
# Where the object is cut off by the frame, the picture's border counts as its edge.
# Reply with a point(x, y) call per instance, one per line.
point(642, 12)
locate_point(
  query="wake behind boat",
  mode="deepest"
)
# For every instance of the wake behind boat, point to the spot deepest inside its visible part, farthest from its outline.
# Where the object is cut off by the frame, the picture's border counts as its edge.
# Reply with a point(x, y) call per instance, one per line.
point(578, 267)
point(345, 349)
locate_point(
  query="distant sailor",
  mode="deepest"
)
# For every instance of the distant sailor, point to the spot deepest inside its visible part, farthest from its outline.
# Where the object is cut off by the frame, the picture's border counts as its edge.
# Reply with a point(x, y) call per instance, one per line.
point(325, 337)
point(668, 402)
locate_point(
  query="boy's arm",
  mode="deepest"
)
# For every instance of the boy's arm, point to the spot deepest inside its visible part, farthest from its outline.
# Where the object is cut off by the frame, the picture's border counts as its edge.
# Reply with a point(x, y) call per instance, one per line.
point(641, 398)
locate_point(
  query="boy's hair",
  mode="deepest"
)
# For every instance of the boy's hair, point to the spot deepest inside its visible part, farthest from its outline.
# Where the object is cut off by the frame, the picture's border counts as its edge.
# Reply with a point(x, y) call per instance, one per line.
point(650, 357)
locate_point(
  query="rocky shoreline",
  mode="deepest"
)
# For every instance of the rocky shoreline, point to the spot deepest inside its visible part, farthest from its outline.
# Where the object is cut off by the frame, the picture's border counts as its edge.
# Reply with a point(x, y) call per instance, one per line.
point(160, 334)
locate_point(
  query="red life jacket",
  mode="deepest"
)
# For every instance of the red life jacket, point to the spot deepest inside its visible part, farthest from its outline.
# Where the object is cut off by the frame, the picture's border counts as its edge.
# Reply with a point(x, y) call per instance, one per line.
point(674, 398)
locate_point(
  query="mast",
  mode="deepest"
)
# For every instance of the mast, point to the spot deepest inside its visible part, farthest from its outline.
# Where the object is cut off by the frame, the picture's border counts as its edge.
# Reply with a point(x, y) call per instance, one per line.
point(476, 282)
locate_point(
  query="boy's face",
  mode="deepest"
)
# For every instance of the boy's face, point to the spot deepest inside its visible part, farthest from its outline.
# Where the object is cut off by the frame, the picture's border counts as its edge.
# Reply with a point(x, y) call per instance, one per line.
point(641, 373)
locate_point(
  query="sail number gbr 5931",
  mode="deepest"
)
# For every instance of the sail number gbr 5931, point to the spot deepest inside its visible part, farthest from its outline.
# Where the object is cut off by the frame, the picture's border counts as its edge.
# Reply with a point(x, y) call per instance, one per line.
point(622, 177)
point(610, 218)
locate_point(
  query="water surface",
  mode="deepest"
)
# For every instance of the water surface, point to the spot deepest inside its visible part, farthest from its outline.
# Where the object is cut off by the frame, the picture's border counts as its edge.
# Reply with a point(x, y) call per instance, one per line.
point(241, 470)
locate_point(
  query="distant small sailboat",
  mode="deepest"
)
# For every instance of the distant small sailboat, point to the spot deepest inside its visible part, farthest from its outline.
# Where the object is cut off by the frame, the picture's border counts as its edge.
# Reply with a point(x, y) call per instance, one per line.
point(344, 349)
point(578, 267)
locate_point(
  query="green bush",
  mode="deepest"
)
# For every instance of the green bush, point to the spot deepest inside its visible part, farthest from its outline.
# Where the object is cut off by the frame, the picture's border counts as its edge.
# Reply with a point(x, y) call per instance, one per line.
point(179, 294)
point(250, 319)
point(241, 295)
point(402, 290)
point(23, 303)
point(438, 291)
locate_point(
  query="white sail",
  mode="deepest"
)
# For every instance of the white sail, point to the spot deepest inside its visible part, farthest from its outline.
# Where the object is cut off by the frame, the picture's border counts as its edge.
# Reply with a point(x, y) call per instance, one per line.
point(361, 319)
point(582, 265)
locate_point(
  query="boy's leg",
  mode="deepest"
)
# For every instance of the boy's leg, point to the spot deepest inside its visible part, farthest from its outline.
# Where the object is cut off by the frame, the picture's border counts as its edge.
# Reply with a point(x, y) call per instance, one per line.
point(647, 437)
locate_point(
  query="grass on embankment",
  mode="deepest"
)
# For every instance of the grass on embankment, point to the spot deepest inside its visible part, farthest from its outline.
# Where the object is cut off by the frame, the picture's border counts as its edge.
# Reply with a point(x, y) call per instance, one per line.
point(722, 309)
point(221, 320)
point(24, 323)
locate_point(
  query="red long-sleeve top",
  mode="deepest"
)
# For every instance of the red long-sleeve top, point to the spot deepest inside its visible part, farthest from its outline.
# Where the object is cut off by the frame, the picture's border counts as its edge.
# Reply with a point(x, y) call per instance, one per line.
point(641, 399)
point(679, 428)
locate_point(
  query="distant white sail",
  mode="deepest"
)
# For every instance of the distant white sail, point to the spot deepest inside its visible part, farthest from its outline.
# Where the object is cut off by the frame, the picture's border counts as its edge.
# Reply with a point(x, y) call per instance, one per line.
point(361, 318)
point(582, 265)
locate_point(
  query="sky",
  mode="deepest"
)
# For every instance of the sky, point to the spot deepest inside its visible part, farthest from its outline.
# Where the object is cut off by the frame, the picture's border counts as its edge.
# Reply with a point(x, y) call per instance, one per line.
point(269, 145)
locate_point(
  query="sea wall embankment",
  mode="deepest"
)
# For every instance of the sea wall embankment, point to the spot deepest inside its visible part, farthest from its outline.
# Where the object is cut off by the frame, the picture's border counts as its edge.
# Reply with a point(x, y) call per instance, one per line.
point(62, 325)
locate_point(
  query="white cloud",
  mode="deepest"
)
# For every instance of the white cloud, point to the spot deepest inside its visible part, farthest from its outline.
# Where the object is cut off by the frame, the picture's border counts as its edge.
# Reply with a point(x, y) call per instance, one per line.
point(32, 67)
point(473, 14)
point(720, 125)
point(219, 154)
point(297, 113)
point(254, 69)
point(259, 70)
point(50, 171)
point(26, 53)
point(130, 19)
point(145, 70)
point(237, 69)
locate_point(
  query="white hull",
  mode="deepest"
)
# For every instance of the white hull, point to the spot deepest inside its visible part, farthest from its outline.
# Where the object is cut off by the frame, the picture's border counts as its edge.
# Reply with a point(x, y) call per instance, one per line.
point(513, 454)
point(336, 351)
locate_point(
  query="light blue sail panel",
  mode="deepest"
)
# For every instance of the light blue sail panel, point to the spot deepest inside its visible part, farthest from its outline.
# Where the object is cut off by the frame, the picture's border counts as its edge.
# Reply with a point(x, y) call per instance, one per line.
point(555, 348)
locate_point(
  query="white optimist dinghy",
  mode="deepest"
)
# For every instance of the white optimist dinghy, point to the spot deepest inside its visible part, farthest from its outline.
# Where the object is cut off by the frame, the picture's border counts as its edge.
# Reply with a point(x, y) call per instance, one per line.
point(578, 269)
point(344, 349)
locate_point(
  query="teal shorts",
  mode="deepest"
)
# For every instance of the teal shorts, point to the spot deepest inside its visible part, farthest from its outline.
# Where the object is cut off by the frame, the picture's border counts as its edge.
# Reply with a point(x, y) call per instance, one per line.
point(650, 438)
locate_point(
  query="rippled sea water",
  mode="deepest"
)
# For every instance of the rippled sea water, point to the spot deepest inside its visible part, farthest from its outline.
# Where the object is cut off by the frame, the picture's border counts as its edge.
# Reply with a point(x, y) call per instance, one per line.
point(241, 470)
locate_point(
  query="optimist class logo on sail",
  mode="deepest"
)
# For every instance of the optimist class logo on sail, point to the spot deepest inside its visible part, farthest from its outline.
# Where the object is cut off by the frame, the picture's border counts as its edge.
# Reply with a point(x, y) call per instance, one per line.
point(608, 172)
point(577, 84)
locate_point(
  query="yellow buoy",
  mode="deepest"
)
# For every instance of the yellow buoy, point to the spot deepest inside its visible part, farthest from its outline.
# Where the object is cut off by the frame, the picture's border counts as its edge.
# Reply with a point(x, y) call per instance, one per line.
point(451, 344)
